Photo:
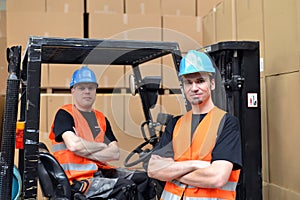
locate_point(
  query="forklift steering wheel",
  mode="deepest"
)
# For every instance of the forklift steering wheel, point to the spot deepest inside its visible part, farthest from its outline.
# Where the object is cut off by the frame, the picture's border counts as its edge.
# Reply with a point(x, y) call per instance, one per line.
point(143, 155)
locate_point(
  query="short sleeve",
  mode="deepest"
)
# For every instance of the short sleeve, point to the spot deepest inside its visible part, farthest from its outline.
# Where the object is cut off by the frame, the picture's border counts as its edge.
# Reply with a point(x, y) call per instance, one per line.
point(63, 122)
point(228, 144)
point(109, 135)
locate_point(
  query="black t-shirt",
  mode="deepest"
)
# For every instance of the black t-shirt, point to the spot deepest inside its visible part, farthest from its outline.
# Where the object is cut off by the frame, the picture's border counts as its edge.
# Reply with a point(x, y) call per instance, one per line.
point(227, 147)
point(64, 122)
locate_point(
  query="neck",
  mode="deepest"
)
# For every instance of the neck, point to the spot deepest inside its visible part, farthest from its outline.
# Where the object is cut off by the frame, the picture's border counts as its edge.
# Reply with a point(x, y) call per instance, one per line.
point(203, 108)
point(80, 108)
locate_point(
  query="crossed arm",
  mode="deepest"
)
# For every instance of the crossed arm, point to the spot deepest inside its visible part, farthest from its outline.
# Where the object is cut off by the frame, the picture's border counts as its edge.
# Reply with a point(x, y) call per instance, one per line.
point(92, 150)
point(191, 172)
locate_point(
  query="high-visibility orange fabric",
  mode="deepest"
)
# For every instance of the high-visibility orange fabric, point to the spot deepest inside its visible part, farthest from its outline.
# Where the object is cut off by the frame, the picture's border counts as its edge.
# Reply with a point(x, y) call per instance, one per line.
point(77, 167)
point(199, 147)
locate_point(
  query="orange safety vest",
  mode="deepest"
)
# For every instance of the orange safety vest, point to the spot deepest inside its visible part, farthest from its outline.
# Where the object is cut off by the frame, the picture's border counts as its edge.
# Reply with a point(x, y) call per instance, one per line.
point(201, 147)
point(77, 167)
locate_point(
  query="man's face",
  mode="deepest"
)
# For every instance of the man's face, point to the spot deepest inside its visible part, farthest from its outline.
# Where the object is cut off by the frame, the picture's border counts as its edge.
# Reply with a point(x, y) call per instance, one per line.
point(84, 95)
point(197, 87)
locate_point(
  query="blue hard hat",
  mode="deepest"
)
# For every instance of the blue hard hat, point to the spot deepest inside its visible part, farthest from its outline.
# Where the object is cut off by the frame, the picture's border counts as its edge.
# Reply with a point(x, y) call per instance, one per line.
point(195, 61)
point(83, 75)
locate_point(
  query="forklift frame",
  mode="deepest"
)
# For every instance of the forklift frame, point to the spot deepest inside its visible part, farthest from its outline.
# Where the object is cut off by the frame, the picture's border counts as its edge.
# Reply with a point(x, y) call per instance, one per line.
point(242, 79)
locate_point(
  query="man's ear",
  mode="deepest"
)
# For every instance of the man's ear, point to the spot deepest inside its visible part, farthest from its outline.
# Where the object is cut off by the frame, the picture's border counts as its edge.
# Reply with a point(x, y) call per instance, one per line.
point(212, 84)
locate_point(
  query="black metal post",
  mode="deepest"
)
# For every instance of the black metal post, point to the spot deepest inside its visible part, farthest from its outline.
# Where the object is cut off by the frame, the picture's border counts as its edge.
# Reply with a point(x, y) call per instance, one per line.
point(9, 123)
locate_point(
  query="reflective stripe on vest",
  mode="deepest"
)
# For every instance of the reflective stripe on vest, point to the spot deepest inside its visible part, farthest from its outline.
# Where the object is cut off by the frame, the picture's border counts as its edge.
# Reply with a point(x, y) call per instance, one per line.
point(77, 167)
point(200, 148)
point(58, 147)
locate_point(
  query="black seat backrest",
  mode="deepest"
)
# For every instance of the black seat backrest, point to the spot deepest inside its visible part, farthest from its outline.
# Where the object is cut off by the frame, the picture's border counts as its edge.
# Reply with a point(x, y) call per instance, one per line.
point(52, 178)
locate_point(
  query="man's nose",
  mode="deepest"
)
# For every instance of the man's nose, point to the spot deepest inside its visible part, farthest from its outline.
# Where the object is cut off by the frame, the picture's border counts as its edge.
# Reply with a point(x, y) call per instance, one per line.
point(86, 90)
point(194, 86)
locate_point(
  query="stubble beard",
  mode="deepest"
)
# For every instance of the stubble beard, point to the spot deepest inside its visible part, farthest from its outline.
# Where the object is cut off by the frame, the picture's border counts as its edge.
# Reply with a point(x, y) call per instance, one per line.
point(196, 102)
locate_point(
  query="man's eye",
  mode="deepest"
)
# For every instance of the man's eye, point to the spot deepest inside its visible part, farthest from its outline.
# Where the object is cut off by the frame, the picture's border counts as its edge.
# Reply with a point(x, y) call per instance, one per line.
point(92, 88)
point(200, 81)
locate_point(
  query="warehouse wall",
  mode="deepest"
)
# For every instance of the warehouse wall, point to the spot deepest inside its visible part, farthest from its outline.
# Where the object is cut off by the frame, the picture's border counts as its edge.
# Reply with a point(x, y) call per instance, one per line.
point(192, 23)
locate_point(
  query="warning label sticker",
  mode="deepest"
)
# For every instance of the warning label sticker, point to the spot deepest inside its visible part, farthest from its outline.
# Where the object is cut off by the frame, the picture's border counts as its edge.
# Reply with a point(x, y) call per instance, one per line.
point(252, 100)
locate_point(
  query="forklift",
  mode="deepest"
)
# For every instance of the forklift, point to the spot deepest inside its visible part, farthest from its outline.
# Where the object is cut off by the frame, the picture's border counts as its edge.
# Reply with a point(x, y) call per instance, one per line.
point(238, 63)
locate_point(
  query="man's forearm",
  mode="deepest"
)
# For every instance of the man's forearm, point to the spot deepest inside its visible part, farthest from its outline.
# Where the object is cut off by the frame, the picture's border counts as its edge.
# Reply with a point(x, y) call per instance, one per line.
point(110, 153)
point(167, 169)
point(197, 178)
point(93, 147)
point(214, 176)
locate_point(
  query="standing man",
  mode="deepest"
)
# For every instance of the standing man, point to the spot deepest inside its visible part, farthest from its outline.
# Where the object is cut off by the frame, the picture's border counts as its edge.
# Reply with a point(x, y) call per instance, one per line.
point(199, 154)
point(83, 143)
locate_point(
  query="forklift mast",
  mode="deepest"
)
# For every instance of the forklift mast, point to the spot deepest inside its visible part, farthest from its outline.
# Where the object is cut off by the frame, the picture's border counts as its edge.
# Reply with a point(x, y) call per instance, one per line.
point(238, 63)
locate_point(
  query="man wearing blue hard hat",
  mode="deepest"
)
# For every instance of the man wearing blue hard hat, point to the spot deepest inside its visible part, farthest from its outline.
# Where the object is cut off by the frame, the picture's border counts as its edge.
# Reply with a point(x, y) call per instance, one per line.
point(199, 154)
point(83, 142)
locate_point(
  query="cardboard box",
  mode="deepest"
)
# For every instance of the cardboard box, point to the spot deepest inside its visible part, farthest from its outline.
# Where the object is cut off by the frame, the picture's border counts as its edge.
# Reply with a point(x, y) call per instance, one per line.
point(250, 25)
point(209, 28)
point(142, 27)
point(173, 104)
point(186, 30)
point(152, 68)
point(178, 7)
point(250, 22)
point(3, 80)
point(112, 106)
point(54, 102)
point(31, 23)
point(105, 6)
point(264, 131)
point(205, 6)
point(3, 20)
point(265, 190)
point(170, 78)
point(22, 25)
point(283, 54)
point(108, 76)
point(148, 7)
point(66, 25)
point(3, 5)
point(105, 25)
point(225, 26)
point(65, 6)
point(283, 129)
point(277, 192)
point(123, 26)
point(45, 76)
point(45, 124)
point(60, 75)
point(26, 5)
point(134, 115)
point(3, 66)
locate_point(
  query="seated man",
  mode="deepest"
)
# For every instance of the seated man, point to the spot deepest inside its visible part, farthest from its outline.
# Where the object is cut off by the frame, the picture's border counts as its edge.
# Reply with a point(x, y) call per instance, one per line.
point(83, 142)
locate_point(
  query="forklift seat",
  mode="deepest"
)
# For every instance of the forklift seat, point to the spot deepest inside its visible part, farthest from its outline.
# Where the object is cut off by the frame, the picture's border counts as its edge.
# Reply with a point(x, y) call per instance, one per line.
point(52, 178)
